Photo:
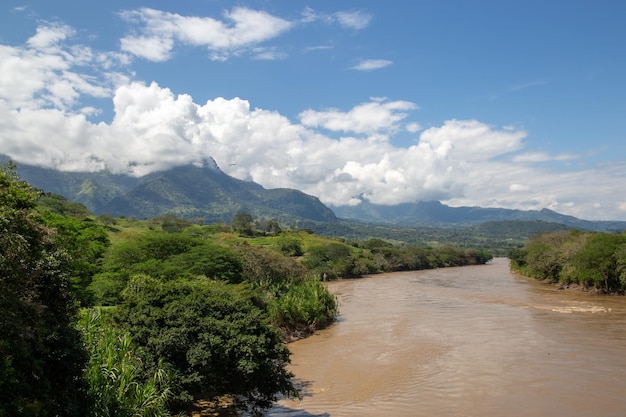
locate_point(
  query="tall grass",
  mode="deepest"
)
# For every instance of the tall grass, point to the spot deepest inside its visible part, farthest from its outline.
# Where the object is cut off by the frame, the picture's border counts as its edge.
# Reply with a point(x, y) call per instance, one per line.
point(114, 374)
point(305, 305)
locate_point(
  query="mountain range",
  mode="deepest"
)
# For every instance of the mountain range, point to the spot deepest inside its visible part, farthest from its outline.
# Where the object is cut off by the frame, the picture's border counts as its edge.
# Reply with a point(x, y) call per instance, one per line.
point(434, 213)
point(206, 192)
point(201, 192)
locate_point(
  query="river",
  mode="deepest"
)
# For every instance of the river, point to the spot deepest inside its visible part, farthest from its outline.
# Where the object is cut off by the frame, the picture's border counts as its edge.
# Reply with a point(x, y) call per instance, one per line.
point(467, 341)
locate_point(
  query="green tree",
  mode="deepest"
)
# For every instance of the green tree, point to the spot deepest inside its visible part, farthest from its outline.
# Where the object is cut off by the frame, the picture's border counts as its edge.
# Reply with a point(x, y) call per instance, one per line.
point(269, 227)
point(266, 268)
point(172, 224)
point(289, 246)
point(544, 259)
point(243, 224)
point(596, 263)
point(85, 242)
point(107, 220)
point(211, 336)
point(41, 354)
point(331, 260)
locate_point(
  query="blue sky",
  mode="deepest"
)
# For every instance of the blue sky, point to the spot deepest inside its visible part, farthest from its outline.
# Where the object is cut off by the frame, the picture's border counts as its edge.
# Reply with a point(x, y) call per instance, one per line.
point(489, 103)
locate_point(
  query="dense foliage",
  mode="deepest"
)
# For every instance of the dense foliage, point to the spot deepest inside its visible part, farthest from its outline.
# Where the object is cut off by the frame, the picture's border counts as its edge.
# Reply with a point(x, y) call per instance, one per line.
point(117, 384)
point(353, 259)
point(41, 355)
point(495, 237)
point(591, 259)
point(210, 336)
point(166, 256)
point(194, 311)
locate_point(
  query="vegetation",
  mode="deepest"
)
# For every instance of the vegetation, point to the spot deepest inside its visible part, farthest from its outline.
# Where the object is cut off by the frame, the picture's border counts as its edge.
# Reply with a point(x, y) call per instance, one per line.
point(41, 355)
point(185, 311)
point(593, 260)
point(210, 336)
point(117, 384)
point(495, 237)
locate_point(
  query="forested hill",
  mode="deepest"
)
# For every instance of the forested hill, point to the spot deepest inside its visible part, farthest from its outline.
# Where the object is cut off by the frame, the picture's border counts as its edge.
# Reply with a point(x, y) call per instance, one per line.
point(434, 213)
point(209, 194)
point(205, 193)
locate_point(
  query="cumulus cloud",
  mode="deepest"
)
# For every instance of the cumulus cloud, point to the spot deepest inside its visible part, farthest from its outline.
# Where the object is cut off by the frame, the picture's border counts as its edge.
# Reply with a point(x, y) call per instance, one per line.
point(460, 162)
point(242, 28)
point(46, 72)
point(371, 64)
point(340, 155)
point(366, 118)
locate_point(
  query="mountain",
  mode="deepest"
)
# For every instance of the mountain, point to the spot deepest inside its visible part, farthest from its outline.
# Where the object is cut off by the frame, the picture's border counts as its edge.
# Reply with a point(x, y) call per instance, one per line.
point(214, 196)
point(434, 213)
point(204, 192)
point(92, 189)
point(208, 193)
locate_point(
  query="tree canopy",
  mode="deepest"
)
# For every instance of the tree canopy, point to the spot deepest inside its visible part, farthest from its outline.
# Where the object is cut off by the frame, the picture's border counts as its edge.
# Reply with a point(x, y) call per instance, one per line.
point(591, 259)
point(210, 335)
point(41, 355)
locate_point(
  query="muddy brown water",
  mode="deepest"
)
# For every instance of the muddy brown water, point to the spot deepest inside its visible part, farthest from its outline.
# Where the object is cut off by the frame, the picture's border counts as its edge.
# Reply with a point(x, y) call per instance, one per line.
point(468, 341)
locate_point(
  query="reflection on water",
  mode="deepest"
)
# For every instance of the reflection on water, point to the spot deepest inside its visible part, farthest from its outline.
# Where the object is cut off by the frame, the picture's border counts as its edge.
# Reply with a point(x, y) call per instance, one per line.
point(469, 341)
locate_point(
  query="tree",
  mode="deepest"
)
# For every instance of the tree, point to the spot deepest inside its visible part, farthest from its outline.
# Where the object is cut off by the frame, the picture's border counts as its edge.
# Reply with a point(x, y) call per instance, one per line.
point(242, 223)
point(596, 262)
point(41, 354)
point(544, 258)
point(171, 224)
point(211, 336)
point(269, 227)
point(85, 242)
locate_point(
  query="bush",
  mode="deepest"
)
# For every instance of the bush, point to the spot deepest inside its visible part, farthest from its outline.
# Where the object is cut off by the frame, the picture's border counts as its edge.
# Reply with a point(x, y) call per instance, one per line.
point(590, 259)
point(214, 340)
point(304, 307)
point(163, 255)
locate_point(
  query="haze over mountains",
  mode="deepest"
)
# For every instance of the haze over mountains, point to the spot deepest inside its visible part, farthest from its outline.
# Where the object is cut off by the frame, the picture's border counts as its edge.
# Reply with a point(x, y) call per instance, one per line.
point(206, 192)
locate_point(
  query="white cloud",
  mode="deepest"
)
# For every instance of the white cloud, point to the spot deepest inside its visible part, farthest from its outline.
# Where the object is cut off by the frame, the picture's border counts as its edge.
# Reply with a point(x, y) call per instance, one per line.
point(356, 20)
point(535, 157)
point(371, 64)
point(519, 188)
point(48, 72)
point(413, 127)
point(474, 140)
point(366, 118)
point(318, 48)
point(152, 48)
point(49, 36)
point(242, 28)
point(268, 54)
point(462, 162)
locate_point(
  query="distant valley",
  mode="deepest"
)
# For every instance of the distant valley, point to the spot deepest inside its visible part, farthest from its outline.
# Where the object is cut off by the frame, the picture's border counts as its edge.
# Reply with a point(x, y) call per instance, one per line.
point(208, 194)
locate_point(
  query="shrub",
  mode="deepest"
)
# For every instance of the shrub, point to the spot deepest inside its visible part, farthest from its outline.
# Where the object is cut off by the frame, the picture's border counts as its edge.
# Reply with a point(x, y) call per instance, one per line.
point(211, 336)
point(307, 305)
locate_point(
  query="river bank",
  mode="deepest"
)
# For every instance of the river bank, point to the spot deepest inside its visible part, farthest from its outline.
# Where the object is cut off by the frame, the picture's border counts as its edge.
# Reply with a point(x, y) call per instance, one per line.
point(475, 341)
